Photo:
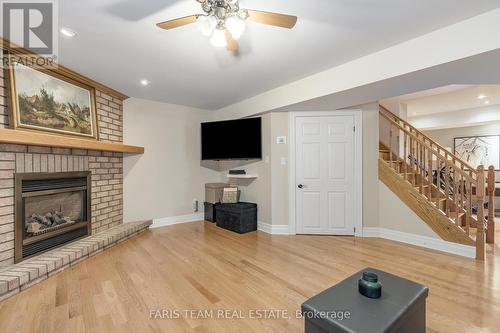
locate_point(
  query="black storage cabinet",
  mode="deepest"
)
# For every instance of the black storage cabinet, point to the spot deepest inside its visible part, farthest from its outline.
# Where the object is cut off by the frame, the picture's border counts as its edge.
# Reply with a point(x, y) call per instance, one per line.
point(238, 217)
point(210, 215)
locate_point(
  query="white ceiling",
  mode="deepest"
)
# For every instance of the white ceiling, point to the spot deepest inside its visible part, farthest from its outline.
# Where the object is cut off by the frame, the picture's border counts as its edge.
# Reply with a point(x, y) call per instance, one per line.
point(118, 43)
point(448, 99)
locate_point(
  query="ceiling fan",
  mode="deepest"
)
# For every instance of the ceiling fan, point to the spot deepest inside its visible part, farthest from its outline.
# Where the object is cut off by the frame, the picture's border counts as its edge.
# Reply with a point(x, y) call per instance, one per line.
point(225, 21)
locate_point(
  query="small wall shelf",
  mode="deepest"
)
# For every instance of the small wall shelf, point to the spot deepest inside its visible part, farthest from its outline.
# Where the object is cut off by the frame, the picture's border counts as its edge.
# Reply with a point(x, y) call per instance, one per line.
point(242, 176)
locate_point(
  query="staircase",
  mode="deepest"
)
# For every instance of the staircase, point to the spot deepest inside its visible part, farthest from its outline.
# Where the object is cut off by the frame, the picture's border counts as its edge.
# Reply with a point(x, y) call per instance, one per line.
point(453, 198)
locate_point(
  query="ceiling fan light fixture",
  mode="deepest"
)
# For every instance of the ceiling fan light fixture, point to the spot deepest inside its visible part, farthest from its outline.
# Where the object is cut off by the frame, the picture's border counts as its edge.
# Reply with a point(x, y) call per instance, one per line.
point(236, 26)
point(225, 21)
point(218, 38)
point(206, 24)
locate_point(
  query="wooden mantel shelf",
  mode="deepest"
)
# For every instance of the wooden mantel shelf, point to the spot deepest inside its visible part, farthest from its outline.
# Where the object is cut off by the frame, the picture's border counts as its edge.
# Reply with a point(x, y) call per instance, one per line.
point(50, 140)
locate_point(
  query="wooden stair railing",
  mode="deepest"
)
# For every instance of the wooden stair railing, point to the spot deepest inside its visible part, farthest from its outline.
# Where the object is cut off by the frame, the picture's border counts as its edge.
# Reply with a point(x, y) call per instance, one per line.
point(447, 182)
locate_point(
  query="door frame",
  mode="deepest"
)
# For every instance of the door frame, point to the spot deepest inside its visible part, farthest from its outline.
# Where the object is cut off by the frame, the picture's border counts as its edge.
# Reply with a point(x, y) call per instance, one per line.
point(358, 165)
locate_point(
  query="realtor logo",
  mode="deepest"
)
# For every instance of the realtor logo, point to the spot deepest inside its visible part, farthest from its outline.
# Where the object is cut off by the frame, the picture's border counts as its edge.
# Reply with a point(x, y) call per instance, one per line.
point(31, 25)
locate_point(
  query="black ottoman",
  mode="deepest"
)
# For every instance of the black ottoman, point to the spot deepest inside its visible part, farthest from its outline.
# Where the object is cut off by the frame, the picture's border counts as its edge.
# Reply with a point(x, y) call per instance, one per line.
point(343, 309)
point(238, 217)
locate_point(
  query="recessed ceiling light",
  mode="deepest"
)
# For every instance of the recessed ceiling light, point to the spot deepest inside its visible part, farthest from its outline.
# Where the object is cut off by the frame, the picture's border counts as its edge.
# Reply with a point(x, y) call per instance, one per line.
point(145, 82)
point(68, 32)
point(486, 102)
point(481, 96)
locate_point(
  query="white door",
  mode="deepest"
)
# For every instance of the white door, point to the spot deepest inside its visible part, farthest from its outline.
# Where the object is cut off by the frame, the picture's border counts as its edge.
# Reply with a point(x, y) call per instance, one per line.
point(325, 175)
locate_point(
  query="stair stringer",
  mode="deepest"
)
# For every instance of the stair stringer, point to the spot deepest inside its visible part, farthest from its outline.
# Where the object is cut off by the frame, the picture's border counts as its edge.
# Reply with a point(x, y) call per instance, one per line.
point(433, 217)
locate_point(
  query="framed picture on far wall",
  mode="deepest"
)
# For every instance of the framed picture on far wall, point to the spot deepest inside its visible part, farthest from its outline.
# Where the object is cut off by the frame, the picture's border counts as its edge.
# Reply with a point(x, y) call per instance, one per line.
point(479, 150)
point(45, 100)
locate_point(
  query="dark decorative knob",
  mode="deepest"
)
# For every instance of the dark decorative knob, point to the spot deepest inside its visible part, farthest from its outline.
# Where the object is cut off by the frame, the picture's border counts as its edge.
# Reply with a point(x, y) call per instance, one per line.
point(369, 285)
point(300, 186)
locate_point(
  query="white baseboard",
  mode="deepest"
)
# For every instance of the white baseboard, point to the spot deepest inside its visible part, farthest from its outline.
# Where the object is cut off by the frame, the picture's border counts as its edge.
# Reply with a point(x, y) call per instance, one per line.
point(273, 229)
point(423, 241)
point(166, 221)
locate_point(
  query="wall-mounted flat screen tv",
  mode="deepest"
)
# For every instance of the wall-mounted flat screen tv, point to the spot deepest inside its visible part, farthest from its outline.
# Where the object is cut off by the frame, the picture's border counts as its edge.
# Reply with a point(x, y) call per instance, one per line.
point(232, 140)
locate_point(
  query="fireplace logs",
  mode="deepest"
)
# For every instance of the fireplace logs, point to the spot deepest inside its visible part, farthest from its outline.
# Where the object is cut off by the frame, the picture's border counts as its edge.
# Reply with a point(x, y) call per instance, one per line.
point(37, 224)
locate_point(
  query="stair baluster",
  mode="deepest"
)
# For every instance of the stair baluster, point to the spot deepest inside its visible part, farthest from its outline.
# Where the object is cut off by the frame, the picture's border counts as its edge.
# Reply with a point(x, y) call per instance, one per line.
point(468, 218)
point(490, 234)
point(422, 168)
point(447, 186)
point(429, 174)
point(480, 236)
point(390, 145)
point(405, 156)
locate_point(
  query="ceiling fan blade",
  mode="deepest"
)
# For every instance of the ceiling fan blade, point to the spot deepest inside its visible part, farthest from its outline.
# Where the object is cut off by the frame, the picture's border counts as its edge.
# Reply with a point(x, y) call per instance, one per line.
point(275, 19)
point(167, 25)
point(232, 45)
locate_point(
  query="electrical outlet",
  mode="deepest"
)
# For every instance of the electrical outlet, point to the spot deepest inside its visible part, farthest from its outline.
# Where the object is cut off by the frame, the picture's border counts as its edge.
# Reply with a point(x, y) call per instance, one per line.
point(195, 205)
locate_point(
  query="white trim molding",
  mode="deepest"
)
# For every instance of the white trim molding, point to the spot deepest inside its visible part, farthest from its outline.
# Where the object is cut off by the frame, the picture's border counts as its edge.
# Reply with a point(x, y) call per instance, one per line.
point(422, 241)
point(166, 221)
point(358, 165)
point(272, 229)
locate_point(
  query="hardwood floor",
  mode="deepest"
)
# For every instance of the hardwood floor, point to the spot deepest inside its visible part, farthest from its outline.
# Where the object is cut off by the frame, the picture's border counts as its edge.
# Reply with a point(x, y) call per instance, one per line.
point(199, 266)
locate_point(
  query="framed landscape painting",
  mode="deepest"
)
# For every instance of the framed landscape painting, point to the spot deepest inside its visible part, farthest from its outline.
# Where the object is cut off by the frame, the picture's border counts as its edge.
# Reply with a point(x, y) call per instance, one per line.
point(47, 101)
point(479, 150)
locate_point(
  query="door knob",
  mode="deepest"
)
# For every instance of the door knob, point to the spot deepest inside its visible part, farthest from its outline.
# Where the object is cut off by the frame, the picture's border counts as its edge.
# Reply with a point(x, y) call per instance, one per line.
point(300, 186)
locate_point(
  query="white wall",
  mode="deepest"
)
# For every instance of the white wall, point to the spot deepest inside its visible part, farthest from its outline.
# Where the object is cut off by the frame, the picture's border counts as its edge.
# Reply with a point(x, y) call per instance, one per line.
point(395, 215)
point(270, 190)
point(445, 137)
point(279, 171)
point(370, 165)
point(400, 223)
point(164, 181)
point(458, 119)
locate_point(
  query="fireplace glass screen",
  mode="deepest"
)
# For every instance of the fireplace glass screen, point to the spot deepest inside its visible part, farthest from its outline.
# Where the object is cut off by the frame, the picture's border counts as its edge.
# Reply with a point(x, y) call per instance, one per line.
point(51, 209)
point(52, 212)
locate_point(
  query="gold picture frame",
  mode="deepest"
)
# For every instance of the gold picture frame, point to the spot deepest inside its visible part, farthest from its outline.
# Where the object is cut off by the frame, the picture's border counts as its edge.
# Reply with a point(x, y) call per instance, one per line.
point(49, 101)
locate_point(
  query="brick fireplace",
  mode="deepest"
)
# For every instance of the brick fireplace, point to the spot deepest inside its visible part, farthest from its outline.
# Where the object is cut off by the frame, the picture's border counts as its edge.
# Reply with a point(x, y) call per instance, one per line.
point(105, 168)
